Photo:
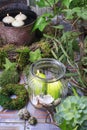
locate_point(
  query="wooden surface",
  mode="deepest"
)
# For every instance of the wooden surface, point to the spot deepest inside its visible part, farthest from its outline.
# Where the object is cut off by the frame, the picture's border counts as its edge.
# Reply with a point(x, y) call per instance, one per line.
point(9, 120)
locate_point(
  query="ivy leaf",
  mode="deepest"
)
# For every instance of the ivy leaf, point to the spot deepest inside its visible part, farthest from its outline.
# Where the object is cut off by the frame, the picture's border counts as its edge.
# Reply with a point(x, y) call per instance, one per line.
point(8, 65)
point(36, 55)
point(42, 22)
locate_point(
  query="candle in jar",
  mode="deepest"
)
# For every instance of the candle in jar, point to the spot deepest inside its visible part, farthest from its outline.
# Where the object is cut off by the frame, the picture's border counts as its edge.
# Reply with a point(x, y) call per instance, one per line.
point(8, 19)
point(20, 16)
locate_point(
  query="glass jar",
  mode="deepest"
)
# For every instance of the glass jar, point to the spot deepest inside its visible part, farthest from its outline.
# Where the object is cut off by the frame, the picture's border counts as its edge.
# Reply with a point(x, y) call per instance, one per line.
point(45, 81)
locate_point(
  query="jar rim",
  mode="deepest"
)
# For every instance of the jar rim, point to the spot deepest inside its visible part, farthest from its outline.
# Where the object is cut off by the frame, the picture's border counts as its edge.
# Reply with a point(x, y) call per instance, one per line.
point(48, 60)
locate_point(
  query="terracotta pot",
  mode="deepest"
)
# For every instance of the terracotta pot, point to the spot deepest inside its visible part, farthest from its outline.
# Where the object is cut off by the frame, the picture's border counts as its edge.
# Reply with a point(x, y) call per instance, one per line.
point(17, 35)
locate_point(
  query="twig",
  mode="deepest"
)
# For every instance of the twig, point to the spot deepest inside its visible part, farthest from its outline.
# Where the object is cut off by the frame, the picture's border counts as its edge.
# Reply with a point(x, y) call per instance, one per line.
point(75, 22)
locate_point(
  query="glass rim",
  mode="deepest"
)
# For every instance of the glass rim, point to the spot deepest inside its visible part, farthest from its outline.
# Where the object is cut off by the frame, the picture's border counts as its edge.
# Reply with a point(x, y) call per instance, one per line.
point(52, 60)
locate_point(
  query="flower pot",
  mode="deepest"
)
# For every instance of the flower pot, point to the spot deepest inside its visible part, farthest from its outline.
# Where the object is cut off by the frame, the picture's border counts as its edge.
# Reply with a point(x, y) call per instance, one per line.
point(17, 35)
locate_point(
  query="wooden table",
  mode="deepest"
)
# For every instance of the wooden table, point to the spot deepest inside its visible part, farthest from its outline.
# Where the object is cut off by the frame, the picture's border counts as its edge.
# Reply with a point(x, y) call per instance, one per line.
point(9, 120)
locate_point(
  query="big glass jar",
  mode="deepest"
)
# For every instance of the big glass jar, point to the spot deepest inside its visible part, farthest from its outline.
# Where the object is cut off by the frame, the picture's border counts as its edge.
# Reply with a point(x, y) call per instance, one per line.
point(46, 81)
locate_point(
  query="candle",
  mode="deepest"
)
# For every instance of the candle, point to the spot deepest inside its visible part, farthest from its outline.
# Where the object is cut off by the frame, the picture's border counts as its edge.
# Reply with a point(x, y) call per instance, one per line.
point(20, 16)
point(8, 19)
point(54, 89)
point(17, 23)
point(40, 85)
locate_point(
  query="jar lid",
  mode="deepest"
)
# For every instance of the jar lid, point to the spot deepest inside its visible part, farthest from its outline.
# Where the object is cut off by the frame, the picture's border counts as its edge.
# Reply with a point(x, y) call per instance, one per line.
point(8, 19)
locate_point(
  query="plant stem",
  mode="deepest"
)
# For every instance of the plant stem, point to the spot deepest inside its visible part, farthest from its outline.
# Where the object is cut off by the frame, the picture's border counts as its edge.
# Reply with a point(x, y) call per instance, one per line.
point(75, 22)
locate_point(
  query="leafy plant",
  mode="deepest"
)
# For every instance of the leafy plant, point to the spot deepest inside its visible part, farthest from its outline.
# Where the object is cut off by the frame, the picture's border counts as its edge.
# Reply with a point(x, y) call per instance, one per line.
point(71, 113)
point(64, 42)
point(72, 10)
point(45, 19)
point(66, 46)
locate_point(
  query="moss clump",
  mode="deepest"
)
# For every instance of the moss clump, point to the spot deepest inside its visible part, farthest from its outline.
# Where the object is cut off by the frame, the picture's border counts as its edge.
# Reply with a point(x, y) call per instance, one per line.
point(13, 103)
point(3, 55)
point(22, 57)
point(9, 76)
point(45, 48)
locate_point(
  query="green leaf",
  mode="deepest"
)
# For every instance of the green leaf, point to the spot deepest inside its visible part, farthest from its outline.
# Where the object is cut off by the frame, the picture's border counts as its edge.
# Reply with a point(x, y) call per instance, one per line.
point(46, 3)
point(68, 13)
point(41, 3)
point(58, 27)
point(9, 65)
point(85, 69)
point(66, 3)
point(36, 55)
point(53, 53)
point(68, 116)
point(42, 22)
point(76, 10)
point(83, 15)
point(74, 91)
point(48, 36)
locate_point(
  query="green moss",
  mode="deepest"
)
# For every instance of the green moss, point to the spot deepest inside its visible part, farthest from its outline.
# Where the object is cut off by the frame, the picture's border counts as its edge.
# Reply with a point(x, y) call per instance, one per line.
point(9, 76)
point(22, 57)
point(45, 48)
point(4, 100)
point(3, 55)
point(13, 89)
